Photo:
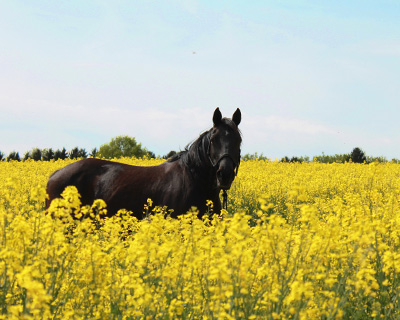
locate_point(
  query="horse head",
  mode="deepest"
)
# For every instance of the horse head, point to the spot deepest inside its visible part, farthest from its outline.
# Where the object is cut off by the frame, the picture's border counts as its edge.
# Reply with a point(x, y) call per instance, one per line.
point(224, 148)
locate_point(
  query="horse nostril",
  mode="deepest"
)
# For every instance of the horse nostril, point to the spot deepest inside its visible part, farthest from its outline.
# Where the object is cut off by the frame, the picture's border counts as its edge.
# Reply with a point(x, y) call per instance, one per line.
point(223, 176)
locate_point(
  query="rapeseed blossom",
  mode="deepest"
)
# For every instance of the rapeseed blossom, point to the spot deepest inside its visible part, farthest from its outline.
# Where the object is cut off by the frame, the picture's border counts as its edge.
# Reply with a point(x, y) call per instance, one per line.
point(298, 241)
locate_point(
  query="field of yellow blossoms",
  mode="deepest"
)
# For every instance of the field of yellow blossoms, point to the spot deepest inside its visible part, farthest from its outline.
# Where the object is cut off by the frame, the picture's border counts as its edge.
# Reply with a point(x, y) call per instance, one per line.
point(298, 241)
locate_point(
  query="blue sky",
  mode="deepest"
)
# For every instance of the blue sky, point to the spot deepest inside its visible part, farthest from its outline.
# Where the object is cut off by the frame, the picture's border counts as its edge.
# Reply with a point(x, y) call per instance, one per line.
point(309, 76)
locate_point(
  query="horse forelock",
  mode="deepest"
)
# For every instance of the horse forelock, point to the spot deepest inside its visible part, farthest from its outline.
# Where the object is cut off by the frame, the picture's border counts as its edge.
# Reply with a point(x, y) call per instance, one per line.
point(232, 126)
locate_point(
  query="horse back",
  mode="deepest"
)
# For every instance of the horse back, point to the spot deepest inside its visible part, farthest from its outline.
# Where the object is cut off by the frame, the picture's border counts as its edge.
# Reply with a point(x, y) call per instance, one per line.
point(82, 174)
point(123, 186)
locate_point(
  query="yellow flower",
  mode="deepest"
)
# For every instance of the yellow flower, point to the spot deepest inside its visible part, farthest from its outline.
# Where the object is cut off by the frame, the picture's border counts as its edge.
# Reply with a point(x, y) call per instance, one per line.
point(317, 240)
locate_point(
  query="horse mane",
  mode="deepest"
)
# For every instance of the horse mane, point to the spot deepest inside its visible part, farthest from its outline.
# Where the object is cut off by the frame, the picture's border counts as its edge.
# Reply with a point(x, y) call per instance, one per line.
point(195, 153)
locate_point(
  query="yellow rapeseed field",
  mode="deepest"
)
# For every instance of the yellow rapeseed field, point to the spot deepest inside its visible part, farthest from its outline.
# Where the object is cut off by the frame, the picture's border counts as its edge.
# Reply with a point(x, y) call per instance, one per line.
point(298, 241)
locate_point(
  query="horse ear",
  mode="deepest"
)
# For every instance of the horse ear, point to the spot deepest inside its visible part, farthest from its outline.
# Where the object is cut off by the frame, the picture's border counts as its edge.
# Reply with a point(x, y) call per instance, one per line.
point(237, 117)
point(217, 117)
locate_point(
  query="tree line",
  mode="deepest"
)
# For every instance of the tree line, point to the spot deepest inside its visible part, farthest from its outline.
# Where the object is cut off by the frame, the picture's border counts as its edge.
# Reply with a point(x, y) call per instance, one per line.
point(357, 155)
point(125, 146)
point(121, 146)
point(48, 154)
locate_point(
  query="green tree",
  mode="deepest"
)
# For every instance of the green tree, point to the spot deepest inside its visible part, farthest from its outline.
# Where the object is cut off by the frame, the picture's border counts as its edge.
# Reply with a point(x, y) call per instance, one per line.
point(76, 153)
point(34, 154)
point(13, 156)
point(358, 155)
point(380, 159)
point(296, 159)
point(254, 156)
point(122, 146)
point(82, 153)
point(331, 159)
point(47, 154)
point(61, 154)
point(93, 153)
point(27, 155)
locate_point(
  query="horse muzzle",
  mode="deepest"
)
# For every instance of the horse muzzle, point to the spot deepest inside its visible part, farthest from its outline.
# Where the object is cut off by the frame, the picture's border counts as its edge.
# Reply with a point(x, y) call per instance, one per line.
point(225, 176)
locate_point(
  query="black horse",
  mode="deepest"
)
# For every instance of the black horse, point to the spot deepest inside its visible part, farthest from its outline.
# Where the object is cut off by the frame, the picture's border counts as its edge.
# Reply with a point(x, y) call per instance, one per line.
point(190, 178)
